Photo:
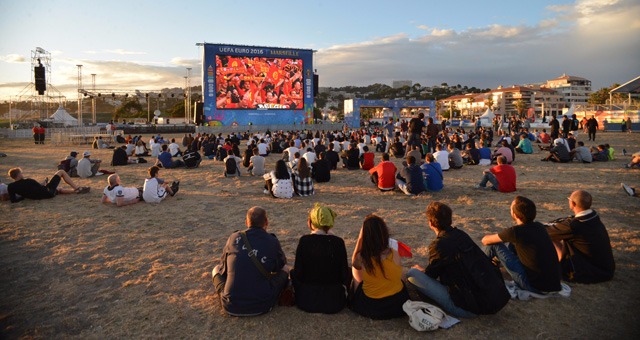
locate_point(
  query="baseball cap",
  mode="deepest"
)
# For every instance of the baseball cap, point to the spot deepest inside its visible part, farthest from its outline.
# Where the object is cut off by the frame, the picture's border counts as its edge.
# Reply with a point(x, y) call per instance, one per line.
point(73, 153)
point(87, 153)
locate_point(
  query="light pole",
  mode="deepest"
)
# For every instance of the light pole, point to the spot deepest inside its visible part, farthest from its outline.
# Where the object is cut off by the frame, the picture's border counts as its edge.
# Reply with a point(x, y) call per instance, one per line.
point(189, 94)
point(93, 97)
point(79, 94)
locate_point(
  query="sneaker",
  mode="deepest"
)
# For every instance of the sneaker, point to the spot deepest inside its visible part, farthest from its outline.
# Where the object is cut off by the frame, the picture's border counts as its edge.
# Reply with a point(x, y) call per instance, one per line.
point(624, 152)
point(477, 186)
point(175, 186)
point(265, 191)
point(629, 190)
point(83, 190)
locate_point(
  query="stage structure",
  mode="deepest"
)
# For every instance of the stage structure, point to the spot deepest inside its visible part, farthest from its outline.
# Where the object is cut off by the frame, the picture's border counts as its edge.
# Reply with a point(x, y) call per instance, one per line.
point(396, 109)
point(43, 96)
point(255, 85)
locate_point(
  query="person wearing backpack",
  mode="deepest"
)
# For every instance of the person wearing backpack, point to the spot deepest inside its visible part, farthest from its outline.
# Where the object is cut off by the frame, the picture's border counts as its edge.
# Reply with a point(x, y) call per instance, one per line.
point(459, 277)
point(232, 165)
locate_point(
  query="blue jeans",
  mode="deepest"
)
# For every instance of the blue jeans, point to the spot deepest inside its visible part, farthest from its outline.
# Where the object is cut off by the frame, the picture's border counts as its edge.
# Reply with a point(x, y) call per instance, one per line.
point(509, 259)
point(489, 177)
point(436, 292)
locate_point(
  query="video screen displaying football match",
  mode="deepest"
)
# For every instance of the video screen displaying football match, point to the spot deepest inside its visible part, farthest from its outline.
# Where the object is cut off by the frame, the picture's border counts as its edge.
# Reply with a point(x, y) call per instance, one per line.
point(244, 82)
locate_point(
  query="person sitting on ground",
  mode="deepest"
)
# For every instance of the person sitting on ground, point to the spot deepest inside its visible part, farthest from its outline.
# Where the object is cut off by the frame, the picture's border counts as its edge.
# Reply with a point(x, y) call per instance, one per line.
point(383, 175)
point(366, 160)
point(252, 270)
point(396, 148)
point(321, 274)
point(524, 146)
point(543, 138)
point(310, 156)
point(581, 153)
point(174, 148)
point(448, 280)
point(302, 180)
point(505, 151)
point(232, 165)
point(485, 155)
point(115, 193)
point(558, 153)
point(471, 155)
point(600, 154)
point(88, 167)
point(191, 158)
point(321, 169)
point(22, 187)
point(611, 152)
point(455, 158)
point(278, 183)
point(333, 157)
point(291, 150)
point(582, 243)
point(130, 148)
point(256, 163)
point(102, 144)
point(414, 150)
point(70, 164)
point(263, 148)
point(501, 176)
point(141, 149)
point(155, 189)
point(166, 161)
point(635, 160)
point(351, 157)
point(442, 156)
point(410, 179)
point(378, 290)
point(120, 157)
point(530, 257)
point(432, 174)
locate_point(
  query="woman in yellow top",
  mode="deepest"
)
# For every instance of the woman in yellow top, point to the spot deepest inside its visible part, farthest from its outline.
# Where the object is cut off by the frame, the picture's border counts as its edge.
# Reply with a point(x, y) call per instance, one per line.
point(377, 273)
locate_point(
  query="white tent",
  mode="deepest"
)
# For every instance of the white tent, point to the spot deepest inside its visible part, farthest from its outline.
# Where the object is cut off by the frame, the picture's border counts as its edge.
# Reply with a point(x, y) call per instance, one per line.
point(61, 116)
point(488, 114)
point(570, 111)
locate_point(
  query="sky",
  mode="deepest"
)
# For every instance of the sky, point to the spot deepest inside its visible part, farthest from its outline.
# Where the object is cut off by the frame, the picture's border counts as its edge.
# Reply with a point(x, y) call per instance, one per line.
point(147, 45)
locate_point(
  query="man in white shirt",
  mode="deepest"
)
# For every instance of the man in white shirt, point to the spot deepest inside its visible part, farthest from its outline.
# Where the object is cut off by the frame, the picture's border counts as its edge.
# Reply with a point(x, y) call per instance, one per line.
point(292, 149)
point(174, 148)
point(88, 167)
point(442, 157)
point(263, 148)
point(115, 193)
point(310, 156)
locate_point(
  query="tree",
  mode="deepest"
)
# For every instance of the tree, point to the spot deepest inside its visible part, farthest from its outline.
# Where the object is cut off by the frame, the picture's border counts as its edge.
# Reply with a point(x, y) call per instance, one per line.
point(520, 106)
point(129, 109)
point(601, 96)
point(489, 102)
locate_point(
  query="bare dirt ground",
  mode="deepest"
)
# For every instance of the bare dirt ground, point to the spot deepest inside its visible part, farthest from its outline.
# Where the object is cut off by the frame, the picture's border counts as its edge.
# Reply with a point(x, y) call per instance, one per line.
point(71, 267)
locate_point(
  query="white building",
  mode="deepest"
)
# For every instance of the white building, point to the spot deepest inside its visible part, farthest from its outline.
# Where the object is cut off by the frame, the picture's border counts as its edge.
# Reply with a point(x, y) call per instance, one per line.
point(575, 90)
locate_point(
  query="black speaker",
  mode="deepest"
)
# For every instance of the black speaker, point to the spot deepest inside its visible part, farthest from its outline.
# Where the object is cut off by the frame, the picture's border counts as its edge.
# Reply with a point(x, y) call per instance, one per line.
point(315, 85)
point(199, 112)
point(41, 82)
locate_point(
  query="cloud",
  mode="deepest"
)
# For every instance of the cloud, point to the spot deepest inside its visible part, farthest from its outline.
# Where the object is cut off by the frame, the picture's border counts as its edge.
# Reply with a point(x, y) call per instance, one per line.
point(13, 58)
point(595, 39)
point(124, 52)
point(184, 62)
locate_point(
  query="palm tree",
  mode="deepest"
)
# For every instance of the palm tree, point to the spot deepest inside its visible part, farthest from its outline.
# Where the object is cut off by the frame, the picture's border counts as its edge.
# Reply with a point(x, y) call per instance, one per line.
point(520, 106)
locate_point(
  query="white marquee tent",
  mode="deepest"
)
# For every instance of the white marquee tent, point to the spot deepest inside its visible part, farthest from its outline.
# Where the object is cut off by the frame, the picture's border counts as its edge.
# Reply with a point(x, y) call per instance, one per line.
point(61, 116)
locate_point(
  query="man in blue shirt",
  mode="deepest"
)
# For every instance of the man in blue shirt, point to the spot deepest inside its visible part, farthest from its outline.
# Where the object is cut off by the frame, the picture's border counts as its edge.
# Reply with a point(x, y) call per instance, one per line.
point(165, 159)
point(432, 172)
point(252, 270)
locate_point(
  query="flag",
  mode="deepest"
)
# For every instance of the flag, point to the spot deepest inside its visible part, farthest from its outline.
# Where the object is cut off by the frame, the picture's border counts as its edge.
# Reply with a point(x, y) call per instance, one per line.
point(402, 249)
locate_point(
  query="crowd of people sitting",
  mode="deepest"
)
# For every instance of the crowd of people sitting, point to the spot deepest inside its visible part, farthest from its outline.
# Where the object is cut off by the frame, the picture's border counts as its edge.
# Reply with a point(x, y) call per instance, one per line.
point(252, 275)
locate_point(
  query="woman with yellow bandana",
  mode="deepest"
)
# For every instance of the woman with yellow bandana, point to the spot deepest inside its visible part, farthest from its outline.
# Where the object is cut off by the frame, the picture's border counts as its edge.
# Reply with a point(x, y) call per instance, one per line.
point(321, 274)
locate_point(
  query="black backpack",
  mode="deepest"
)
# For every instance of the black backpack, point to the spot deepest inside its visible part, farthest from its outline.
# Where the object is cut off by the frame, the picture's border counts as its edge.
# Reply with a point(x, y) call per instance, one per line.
point(482, 290)
point(231, 167)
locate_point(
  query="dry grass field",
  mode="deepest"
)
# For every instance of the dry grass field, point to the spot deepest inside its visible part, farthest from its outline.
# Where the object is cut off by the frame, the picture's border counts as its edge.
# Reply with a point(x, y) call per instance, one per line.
point(71, 267)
